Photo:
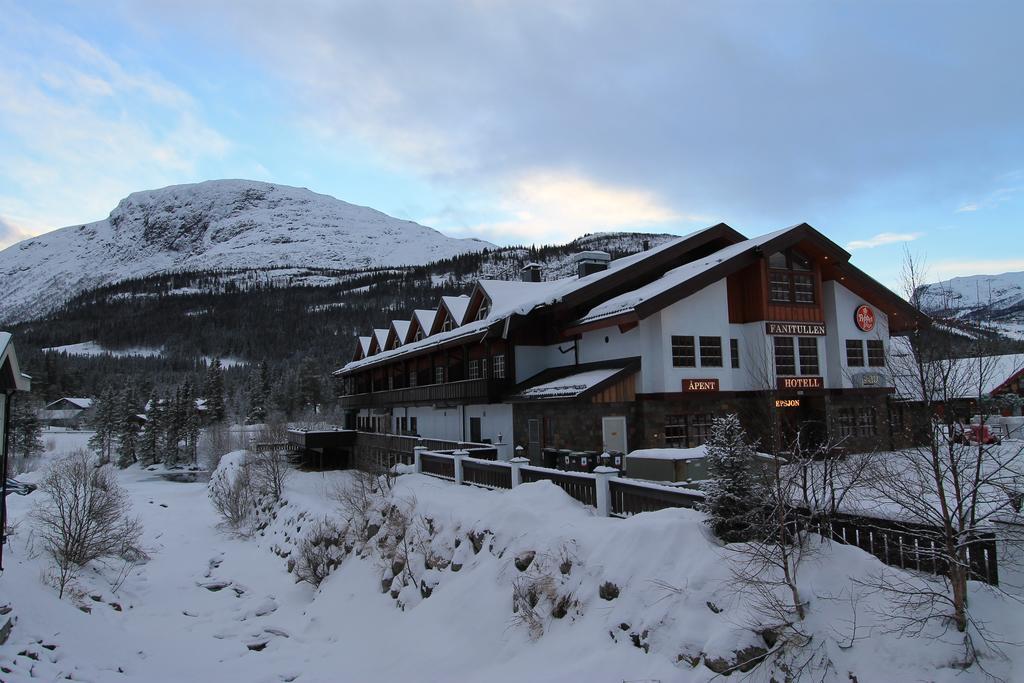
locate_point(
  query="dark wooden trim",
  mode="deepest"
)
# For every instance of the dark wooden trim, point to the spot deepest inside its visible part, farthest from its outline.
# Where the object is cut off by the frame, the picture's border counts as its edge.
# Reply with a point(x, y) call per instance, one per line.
point(628, 320)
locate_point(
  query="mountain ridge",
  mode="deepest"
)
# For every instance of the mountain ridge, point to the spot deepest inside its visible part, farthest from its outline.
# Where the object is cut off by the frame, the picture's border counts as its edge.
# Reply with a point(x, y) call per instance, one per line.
point(216, 224)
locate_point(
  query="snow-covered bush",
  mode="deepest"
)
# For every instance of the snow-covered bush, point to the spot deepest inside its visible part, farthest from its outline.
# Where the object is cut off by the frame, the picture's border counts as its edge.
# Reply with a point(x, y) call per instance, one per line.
point(732, 496)
point(231, 491)
point(320, 551)
point(84, 517)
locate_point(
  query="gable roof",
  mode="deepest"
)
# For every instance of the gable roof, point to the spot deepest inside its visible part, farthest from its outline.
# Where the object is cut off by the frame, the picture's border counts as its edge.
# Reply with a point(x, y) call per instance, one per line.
point(422, 319)
point(362, 348)
point(11, 376)
point(456, 306)
point(398, 330)
point(689, 278)
point(377, 341)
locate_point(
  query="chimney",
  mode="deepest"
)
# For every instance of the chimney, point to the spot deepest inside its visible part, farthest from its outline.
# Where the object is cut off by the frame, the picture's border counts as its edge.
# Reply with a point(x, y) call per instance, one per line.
point(588, 262)
point(530, 272)
point(647, 245)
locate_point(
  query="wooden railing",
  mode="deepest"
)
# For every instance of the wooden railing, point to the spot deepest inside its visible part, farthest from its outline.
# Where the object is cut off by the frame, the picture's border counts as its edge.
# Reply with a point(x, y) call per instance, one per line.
point(462, 391)
point(495, 475)
point(630, 497)
point(580, 486)
point(906, 545)
point(438, 466)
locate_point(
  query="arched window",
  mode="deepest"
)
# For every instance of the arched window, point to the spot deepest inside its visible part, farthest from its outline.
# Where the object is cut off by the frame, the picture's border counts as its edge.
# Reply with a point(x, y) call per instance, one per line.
point(790, 278)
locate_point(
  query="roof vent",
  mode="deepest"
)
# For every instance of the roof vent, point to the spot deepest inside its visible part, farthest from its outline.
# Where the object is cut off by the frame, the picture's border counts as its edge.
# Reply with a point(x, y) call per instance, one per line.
point(588, 262)
point(530, 272)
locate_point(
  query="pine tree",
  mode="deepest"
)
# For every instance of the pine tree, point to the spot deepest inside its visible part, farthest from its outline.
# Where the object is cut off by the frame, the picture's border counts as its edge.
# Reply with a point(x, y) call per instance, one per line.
point(26, 432)
point(171, 428)
point(214, 390)
point(259, 394)
point(149, 443)
point(127, 431)
point(732, 491)
point(105, 422)
point(189, 421)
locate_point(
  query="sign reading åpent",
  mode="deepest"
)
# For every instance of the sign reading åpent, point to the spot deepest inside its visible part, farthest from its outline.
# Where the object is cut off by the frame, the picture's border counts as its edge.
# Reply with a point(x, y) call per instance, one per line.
point(795, 329)
point(700, 385)
point(800, 383)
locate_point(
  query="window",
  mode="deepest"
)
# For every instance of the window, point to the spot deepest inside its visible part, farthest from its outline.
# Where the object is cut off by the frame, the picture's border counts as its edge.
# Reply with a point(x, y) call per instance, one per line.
point(711, 352)
point(808, 355)
point(395, 344)
point(734, 352)
point(499, 366)
point(412, 378)
point(438, 375)
point(446, 326)
point(859, 421)
point(687, 431)
point(854, 353)
point(391, 382)
point(790, 278)
point(876, 353)
point(484, 310)
point(474, 369)
point(412, 425)
point(483, 368)
point(419, 335)
point(785, 360)
point(684, 354)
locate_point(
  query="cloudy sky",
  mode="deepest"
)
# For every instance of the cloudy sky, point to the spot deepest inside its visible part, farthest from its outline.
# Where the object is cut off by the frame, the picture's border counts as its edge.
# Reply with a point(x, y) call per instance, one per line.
point(883, 124)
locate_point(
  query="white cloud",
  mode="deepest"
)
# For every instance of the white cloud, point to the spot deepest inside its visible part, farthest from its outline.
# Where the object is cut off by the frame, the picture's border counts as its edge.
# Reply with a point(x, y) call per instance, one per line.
point(884, 238)
point(79, 130)
point(993, 199)
point(549, 206)
point(948, 269)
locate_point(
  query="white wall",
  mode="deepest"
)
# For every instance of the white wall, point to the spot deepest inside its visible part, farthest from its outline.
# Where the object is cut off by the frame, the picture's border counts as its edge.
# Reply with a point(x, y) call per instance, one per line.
point(449, 423)
point(533, 359)
point(495, 421)
point(840, 305)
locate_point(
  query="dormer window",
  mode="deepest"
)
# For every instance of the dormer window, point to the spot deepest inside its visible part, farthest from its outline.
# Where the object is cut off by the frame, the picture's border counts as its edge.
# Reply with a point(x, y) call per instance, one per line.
point(484, 310)
point(447, 325)
point(395, 344)
point(790, 278)
point(419, 335)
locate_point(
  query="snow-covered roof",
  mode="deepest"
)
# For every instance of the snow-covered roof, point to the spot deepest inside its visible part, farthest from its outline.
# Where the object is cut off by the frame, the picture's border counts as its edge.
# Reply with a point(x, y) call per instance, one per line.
point(11, 376)
point(457, 306)
point(401, 328)
point(81, 403)
point(381, 335)
point(957, 378)
point(568, 387)
point(364, 345)
point(695, 453)
point(677, 276)
point(424, 318)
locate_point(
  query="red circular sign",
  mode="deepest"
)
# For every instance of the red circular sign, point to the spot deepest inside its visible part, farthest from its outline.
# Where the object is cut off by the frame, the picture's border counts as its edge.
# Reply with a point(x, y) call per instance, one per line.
point(865, 318)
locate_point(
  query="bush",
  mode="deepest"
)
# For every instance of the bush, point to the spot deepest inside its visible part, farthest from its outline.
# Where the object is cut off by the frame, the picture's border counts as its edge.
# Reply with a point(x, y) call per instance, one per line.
point(320, 552)
point(231, 493)
point(84, 517)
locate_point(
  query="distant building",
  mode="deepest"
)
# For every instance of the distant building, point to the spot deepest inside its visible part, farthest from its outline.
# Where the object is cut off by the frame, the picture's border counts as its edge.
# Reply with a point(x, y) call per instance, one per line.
point(69, 412)
point(643, 351)
point(12, 379)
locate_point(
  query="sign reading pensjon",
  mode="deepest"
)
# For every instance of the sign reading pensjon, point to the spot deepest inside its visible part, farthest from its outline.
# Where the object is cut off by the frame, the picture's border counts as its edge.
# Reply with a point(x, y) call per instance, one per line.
point(795, 329)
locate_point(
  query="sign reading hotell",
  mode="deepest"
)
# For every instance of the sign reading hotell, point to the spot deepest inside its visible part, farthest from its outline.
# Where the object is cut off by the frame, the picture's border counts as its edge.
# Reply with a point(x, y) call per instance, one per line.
point(795, 329)
point(800, 383)
point(700, 385)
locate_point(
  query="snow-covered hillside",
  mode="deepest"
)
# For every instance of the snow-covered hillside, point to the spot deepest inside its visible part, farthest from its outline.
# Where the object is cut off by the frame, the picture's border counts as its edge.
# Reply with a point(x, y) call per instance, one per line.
point(219, 224)
point(995, 299)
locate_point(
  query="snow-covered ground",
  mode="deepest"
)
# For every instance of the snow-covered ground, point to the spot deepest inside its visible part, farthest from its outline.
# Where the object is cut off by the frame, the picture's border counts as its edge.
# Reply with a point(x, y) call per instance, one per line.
point(91, 348)
point(209, 606)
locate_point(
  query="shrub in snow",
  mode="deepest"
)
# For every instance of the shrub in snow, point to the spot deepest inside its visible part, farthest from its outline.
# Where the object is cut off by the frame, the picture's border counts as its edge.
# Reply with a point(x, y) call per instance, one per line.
point(231, 491)
point(732, 492)
point(268, 471)
point(320, 552)
point(84, 517)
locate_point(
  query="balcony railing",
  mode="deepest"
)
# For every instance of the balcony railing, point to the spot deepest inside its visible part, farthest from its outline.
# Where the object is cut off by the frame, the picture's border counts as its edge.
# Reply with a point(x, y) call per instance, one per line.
point(464, 391)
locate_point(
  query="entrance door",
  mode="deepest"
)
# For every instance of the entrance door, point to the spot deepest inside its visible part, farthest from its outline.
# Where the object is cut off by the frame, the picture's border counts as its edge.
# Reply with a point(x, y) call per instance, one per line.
point(534, 444)
point(613, 434)
point(474, 429)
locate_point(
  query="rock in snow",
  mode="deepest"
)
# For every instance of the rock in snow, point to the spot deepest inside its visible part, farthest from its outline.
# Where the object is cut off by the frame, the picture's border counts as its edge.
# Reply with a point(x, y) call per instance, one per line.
point(218, 224)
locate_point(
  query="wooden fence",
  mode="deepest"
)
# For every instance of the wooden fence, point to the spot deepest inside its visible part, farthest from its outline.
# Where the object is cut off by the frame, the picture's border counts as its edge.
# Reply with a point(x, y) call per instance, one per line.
point(903, 545)
point(495, 475)
point(630, 497)
point(582, 487)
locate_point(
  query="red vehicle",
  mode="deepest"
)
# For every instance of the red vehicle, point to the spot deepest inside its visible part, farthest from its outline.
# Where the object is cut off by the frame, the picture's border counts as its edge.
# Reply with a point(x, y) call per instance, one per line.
point(983, 434)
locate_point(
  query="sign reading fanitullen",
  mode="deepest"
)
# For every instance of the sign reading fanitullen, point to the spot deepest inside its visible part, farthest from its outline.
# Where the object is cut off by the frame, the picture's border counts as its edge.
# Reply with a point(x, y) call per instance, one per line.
point(795, 329)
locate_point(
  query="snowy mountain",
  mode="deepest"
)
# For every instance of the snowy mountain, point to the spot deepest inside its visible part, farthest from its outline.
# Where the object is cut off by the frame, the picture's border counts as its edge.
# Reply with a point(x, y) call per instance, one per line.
point(214, 225)
point(996, 300)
